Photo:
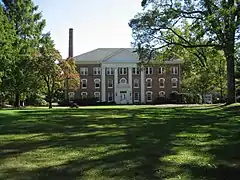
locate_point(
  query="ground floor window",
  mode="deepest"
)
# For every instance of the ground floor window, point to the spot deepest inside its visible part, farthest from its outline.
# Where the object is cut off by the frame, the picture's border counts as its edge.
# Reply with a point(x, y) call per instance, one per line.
point(110, 96)
point(84, 95)
point(136, 97)
point(149, 96)
point(97, 96)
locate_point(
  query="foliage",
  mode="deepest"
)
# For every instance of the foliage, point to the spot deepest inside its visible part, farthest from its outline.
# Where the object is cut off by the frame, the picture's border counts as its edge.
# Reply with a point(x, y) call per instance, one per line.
point(22, 76)
point(209, 24)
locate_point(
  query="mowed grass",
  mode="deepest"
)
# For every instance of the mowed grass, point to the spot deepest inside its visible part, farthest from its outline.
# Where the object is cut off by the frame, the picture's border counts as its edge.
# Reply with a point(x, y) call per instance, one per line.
point(127, 142)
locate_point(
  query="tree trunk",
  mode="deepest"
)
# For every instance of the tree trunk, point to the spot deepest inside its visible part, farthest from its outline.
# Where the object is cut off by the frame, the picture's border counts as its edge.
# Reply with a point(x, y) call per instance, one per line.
point(50, 101)
point(17, 99)
point(229, 54)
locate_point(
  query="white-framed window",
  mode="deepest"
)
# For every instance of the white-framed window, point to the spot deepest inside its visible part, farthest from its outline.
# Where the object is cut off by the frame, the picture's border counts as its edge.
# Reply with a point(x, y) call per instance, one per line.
point(136, 96)
point(161, 82)
point(174, 70)
point(149, 70)
point(109, 71)
point(161, 70)
point(110, 96)
point(71, 96)
point(161, 94)
point(96, 71)
point(149, 82)
point(97, 83)
point(110, 83)
point(174, 82)
point(97, 96)
point(136, 83)
point(84, 95)
point(84, 83)
point(136, 70)
point(123, 71)
point(149, 96)
point(123, 81)
point(83, 71)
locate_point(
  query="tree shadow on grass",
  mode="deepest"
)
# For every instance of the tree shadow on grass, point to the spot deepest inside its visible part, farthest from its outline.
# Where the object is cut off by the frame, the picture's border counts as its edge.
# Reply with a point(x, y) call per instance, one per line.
point(140, 143)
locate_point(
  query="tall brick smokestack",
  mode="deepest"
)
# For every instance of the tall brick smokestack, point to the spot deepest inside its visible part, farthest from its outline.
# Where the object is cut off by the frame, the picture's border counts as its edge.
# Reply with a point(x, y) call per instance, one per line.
point(70, 46)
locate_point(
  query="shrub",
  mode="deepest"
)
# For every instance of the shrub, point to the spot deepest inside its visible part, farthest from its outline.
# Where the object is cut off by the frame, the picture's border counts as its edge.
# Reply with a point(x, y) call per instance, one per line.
point(160, 100)
point(174, 97)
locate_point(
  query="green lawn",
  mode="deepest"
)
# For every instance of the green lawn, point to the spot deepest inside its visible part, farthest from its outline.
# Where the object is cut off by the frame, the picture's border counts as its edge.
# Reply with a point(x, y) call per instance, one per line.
point(128, 142)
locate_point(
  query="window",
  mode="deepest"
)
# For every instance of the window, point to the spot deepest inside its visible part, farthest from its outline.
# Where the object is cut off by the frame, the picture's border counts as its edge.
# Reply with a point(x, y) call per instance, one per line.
point(161, 70)
point(136, 83)
point(149, 96)
point(136, 96)
point(84, 83)
point(136, 71)
point(84, 95)
point(123, 81)
point(97, 96)
point(123, 71)
point(109, 71)
point(174, 70)
point(174, 82)
point(161, 82)
point(71, 96)
point(110, 96)
point(110, 83)
point(96, 71)
point(161, 94)
point(97, 83)
point(83, 71)
point(149, 82)
point(149, 70)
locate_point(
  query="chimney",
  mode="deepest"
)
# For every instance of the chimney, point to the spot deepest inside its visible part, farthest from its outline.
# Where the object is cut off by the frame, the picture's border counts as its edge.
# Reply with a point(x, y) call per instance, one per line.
point(70, 46)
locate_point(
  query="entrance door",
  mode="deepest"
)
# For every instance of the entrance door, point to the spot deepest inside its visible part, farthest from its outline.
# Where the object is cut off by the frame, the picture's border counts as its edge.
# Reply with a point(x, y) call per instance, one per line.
point(123, 97)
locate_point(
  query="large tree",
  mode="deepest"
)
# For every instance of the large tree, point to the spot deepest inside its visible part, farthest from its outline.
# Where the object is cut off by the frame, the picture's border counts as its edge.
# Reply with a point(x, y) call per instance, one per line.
point(211, 24)
point(28, 24)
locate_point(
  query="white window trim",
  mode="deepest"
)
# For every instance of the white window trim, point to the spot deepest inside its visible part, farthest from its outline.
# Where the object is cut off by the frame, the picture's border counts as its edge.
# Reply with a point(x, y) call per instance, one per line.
point(112, 84)
point(85, 71)
point(135, 70)
point(84, 93)
point(163, 82)
point(98, 70)
point(124, 80)
point(95, 81)
point(149, 92)
point(71, 95)
point(147, 81)
point(121, 71)
point(82, 82)
point(99, 94)
point(110, 70)
point(134, 100)
point(162, 70)
point(148, 70)
point(164, 94)
point(174, 79)
point(109, 96)
point(173, 72)
point(134, 83)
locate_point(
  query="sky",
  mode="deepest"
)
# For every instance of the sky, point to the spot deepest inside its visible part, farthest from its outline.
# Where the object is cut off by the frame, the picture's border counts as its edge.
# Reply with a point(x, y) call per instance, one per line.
point(95, 23)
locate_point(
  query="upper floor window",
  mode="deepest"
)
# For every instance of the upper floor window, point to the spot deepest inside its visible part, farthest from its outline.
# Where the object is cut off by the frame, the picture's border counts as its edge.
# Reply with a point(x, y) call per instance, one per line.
point(136, 71)
point(110, 83)
point(123, 71)
point(174, 70)
point(83, 71)
point(136, 83)
point(84, 83)
point(123, 81)
point(161, 70)
point(109, 71)
point(174, 82)
point(97, 83)
point(149, 96)
point(149, 70)
point(96, 71)
point(97, 96)
point(149, 82)
point(161, 82)
point(84, 95)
